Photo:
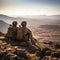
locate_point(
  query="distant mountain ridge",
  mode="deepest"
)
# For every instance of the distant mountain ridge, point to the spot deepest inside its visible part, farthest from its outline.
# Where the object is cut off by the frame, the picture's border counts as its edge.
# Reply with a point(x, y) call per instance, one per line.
point(55, 27)
point(44, 16)
point(3, 26)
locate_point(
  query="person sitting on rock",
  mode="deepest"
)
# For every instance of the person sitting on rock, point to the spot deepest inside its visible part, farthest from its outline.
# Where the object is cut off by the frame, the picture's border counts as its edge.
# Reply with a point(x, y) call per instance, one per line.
point(12, 31)
point(24, 34)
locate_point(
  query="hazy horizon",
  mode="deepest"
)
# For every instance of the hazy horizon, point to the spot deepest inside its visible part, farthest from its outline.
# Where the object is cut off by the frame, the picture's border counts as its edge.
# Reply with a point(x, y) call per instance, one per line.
point(28, 16)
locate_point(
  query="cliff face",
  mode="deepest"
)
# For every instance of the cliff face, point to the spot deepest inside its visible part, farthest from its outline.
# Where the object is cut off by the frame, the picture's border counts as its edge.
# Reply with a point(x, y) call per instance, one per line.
point(3, 26)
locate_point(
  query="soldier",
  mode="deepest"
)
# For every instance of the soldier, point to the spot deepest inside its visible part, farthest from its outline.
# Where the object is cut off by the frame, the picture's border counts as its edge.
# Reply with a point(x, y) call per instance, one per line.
point(24, 34)
point(12, 31)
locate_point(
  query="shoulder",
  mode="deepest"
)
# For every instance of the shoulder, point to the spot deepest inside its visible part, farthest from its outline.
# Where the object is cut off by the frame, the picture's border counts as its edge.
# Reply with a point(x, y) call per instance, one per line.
point(28, 30)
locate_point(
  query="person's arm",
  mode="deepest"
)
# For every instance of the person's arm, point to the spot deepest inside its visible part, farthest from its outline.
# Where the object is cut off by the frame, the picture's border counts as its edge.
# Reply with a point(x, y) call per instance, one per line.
point(31, 36)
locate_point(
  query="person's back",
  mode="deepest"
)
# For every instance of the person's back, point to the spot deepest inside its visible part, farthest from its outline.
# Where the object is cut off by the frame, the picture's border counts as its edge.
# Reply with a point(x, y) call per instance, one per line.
point(26, 33)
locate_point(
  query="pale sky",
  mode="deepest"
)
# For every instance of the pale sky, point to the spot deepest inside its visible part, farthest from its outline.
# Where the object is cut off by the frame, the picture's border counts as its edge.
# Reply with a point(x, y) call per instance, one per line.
point(29, 7)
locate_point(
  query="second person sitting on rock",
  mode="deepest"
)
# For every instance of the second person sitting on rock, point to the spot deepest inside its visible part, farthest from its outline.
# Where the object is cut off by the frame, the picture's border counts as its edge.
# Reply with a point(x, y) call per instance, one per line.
point(23, 33)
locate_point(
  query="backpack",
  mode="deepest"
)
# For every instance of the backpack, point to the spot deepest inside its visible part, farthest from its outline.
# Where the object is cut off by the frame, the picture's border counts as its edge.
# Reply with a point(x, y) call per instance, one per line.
point(22, 35)
point(19, 34)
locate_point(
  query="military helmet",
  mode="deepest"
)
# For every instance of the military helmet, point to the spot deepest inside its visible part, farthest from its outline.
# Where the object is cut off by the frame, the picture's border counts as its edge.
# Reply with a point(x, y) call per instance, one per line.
point(14, 23)
point(23, 23)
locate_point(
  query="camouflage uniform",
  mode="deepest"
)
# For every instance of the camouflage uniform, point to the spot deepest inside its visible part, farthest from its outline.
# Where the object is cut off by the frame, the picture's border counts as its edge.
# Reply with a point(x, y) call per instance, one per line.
point(12, 31)
point(25, 34)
